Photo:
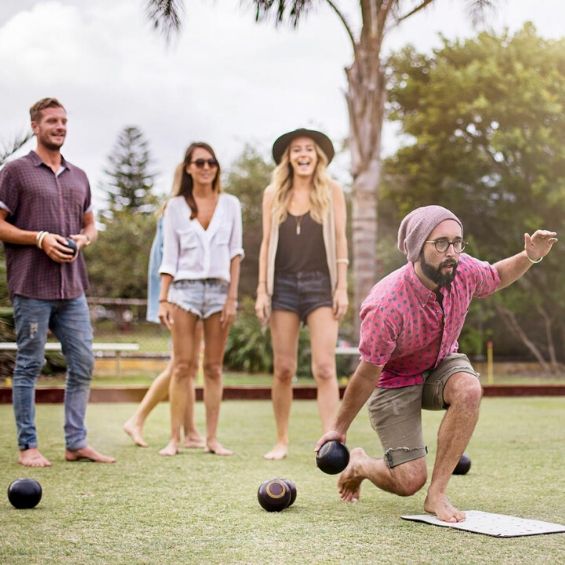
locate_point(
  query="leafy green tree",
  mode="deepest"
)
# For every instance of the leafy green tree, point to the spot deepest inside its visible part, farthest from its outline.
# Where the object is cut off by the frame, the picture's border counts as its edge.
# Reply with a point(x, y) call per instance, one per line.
point(365, 97)
point(485, 124)
point(129, 180)
point(247, 178)
point(117, 263)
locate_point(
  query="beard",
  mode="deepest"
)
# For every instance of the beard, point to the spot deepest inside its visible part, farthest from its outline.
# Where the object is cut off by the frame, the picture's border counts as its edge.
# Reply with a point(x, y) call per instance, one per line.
point(435, 274)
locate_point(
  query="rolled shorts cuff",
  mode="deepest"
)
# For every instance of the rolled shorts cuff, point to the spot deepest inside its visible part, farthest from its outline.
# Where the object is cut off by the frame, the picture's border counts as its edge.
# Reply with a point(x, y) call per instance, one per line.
point(399, 455)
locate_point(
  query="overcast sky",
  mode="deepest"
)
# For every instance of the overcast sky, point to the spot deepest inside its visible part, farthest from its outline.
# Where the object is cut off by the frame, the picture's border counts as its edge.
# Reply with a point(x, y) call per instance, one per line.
point(226, 80)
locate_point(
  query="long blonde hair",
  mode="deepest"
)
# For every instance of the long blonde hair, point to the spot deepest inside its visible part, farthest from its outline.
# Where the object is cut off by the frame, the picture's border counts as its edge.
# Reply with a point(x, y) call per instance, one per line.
point(282, 179)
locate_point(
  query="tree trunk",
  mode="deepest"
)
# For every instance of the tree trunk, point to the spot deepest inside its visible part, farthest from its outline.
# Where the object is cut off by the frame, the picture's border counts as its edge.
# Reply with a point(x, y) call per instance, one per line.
point(512, 323)
point(365, 102)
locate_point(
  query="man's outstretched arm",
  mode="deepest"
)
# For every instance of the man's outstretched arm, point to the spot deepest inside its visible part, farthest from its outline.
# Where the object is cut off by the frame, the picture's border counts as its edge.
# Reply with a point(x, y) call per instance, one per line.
point(536, 247)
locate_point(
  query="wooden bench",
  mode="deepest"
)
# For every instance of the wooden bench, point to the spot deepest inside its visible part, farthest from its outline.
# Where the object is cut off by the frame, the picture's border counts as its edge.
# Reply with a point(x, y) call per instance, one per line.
point(97, 348)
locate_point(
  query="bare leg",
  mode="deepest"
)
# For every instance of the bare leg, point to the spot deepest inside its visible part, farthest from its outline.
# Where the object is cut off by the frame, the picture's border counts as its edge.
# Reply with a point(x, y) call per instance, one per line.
point(214, 346)
point(463, 395)
point(285, 327)
point(192, 437)
point(87, 454)
point(323, 338)
point(32, 458)
point(404, 480)
point(157, 392)
point(183, 354)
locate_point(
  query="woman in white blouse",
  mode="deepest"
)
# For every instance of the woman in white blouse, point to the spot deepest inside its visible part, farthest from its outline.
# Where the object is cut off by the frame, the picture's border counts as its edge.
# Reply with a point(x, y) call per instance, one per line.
point(202, 251)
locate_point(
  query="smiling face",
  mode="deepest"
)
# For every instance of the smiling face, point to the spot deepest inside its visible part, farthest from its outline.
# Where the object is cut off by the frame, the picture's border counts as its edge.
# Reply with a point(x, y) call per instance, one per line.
point(434, 268)
point(302, 156)
point(50, 128)
point(203, 167)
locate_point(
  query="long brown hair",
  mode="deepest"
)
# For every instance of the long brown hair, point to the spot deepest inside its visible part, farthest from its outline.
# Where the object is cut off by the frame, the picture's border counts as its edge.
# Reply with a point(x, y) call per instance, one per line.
point(183, 183)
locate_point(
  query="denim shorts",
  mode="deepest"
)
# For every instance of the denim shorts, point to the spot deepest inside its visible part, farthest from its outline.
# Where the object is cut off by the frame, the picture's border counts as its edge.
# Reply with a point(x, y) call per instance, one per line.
point(396, 413)
point(201, 297)
point(302, 292)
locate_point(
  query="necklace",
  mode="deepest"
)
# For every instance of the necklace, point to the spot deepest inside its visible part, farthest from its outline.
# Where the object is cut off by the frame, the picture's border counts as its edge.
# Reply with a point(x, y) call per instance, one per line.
point(298, 220)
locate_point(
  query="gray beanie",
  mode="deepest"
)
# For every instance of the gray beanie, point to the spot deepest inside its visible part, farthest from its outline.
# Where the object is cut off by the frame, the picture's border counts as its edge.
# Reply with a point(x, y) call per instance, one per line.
point(416, 227)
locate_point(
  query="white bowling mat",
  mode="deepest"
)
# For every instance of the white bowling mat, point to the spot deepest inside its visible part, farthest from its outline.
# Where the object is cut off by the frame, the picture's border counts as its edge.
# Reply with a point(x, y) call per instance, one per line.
point(498, 525)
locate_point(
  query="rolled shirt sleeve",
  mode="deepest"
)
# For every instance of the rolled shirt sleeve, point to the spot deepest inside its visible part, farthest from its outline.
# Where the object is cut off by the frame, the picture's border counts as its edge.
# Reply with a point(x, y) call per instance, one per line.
point(236, 238)
point(170, 244)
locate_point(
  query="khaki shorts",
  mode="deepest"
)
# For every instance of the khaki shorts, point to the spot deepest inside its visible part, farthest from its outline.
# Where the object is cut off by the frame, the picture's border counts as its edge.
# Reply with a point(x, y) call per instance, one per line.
point(396, 413)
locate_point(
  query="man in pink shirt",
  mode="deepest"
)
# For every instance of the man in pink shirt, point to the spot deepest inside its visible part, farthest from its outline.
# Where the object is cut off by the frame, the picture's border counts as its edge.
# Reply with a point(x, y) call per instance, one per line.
point(410, 323)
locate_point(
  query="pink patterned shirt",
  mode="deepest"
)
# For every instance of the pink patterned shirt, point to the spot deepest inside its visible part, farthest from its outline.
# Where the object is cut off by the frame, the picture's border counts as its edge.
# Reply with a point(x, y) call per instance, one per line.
point(404, 328)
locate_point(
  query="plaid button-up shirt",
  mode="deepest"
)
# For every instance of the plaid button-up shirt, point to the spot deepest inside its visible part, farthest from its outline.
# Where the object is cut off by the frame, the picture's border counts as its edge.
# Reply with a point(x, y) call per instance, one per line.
point(37, 199)
point(406, 331)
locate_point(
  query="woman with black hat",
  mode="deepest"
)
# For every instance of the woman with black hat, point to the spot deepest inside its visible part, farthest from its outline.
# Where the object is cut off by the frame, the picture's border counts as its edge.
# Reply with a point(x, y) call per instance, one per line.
point(302, 270)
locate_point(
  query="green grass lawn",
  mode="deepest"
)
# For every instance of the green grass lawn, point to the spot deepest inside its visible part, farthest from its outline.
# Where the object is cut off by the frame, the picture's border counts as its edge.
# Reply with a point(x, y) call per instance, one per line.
point(199, 508)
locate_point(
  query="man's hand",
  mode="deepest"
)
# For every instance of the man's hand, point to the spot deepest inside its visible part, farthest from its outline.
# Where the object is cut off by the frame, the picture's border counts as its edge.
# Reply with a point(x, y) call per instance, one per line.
point(330, 436)
point(539, 245)
point(55, 247)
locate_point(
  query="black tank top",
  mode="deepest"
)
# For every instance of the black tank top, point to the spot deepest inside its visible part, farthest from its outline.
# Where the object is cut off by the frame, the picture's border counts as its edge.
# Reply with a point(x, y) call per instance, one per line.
point(301, 246)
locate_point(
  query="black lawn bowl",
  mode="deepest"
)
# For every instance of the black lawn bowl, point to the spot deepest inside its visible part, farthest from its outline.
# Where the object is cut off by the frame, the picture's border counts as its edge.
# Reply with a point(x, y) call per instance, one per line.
point(71, 244)
point(332, 457)
point(292, 487)
point(24, 493)
point(462, 468)
point(274, 495)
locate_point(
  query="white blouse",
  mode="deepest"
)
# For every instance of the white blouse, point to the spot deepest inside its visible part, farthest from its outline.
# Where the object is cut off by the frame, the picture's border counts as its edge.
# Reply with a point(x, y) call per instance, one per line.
point(192, 252)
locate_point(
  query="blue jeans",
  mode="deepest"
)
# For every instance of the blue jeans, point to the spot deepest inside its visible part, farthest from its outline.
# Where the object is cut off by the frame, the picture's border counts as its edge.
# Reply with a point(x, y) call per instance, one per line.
point(69, 320)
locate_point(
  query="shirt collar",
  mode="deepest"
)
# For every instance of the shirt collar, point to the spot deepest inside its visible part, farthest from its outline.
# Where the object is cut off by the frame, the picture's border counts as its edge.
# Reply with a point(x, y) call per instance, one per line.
point(37, 160)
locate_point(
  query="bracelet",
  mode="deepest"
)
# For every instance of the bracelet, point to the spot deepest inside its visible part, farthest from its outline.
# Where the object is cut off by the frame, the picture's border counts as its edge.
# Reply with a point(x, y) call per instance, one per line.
point(161, 300)
point(40, 235)
point(344, 261)
point(88, 240)
point(40, 239)
point(531, 260)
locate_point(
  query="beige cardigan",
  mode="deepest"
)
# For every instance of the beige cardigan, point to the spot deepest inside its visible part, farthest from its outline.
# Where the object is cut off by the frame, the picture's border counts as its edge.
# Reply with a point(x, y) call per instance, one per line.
point(328, 230)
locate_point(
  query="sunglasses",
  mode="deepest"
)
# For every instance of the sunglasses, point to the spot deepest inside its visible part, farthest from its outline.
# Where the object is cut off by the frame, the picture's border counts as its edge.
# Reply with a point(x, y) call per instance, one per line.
point(200, 163)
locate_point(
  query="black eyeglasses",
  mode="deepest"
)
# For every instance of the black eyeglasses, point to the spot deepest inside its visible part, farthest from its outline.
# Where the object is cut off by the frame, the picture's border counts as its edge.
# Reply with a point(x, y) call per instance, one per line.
point(442, 244)
point(200, 163)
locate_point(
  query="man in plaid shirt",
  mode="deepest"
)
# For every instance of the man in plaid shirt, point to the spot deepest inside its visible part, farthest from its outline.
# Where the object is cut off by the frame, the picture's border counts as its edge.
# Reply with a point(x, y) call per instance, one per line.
point(45, 221)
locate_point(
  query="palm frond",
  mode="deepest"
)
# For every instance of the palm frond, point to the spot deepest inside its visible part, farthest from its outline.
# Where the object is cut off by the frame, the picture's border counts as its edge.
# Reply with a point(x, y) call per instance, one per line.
point(10, 148)
point(479, 10)
point(165, 16)
point(291, 10)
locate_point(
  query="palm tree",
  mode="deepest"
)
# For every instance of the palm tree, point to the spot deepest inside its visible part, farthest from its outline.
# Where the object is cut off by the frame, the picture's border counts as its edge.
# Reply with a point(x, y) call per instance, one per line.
point(365, 97)
point(9, 149)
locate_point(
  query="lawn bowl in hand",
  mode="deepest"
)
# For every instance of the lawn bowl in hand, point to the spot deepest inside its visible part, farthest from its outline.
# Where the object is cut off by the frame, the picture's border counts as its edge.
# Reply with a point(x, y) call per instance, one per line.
point(462, 468)
point(274, 495)
point(24, 493)
point(332, 457)
point(72, 245)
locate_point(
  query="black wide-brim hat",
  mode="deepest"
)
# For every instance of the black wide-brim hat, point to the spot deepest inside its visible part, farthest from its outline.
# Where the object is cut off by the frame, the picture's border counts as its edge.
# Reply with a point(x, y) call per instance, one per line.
point(321, 139)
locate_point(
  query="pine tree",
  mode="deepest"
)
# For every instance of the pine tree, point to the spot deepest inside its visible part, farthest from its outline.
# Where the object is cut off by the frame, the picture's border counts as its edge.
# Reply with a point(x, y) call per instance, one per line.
point(130, 180)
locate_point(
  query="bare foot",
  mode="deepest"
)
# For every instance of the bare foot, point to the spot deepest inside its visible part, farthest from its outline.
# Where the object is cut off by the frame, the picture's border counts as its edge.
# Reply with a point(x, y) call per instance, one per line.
point(87, 454)
point(349, 482)
point(32, 458)
point(442, 508)
point(135, 433)
point(170, 449)
point(194, 442)
point(280, 451)
point(217, 448)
